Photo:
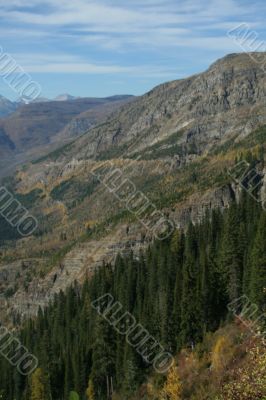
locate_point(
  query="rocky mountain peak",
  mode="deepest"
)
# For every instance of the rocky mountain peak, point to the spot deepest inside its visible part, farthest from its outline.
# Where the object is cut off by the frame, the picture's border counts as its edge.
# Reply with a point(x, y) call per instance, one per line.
point(202, 107)
point(240, 61)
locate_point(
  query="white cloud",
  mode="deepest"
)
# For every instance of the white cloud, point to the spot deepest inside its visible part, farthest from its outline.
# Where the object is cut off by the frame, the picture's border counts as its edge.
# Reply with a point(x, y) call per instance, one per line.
point(86, 68)
point(115, 16)
point(119, 25)
point(65, 63)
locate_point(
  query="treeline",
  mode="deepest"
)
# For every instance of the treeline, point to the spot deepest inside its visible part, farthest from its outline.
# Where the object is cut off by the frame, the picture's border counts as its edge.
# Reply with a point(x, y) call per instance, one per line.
point(178, 290)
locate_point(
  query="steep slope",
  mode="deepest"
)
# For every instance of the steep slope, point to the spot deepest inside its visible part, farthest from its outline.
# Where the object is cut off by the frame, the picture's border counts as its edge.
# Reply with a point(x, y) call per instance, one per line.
point(180, 291)
point(225, 101)
point(173, 146)
point(91, 117)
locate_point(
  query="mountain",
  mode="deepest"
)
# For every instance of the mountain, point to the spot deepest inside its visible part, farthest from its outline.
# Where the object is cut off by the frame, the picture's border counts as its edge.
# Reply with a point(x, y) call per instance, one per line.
point(38, 100)
point(91, 117)
point(171, 148)
point(21, 101)
point(158, 201)
point(65, 97)
point(34, 126)
point(36, 123)
point(6, 107)
point(201, 110)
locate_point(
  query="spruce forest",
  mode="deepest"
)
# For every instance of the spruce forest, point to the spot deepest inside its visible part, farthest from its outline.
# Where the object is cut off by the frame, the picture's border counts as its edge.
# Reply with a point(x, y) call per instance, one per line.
point(179, 290)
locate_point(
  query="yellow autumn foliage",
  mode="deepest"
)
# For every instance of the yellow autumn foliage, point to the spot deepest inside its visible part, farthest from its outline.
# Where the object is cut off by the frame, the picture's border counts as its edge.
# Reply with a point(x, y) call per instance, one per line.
point(172, 386)
point(37, 387)
point(151, 392)
point(221, 354)
point(90, 391)
point(248, 382)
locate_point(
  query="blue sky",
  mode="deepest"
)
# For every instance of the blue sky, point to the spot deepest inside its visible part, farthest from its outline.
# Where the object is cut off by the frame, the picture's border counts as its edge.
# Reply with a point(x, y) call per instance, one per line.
point(105, 47)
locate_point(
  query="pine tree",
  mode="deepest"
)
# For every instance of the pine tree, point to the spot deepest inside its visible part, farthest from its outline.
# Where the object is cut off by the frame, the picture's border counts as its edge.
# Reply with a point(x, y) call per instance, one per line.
point(38, 386)
point(102, 358)
point(258, 269)
point(191, 318)
point(230, 255)
point(90, 391)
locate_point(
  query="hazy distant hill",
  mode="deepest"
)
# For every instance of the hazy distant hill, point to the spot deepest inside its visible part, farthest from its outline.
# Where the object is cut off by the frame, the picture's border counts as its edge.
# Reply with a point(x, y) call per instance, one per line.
point(64, 97)
point(6, 106)
point(38, 124)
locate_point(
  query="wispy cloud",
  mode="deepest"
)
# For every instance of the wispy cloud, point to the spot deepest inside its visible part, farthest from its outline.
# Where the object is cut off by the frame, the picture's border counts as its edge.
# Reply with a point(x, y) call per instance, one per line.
point(65, 63)
point(145, 39)
point(166, 21)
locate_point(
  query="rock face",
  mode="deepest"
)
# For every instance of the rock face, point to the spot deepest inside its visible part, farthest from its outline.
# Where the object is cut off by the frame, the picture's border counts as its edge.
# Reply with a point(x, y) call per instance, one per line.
point(33, 291)
point(91, 117)
point(227, 100)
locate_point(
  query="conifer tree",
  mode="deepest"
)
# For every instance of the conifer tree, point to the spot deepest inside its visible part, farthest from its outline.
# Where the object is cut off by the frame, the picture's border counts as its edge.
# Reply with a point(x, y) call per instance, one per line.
point(38, 386)
point(90, 391)
point(258, 267)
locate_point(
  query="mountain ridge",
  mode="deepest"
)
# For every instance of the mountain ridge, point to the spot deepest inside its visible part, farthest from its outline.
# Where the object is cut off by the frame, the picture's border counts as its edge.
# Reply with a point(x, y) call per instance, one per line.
point(207, 109)
point(174, 145)
point(31, 128)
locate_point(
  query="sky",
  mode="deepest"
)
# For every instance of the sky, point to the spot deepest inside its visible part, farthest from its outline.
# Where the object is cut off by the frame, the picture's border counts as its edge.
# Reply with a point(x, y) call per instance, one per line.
point(105, 47)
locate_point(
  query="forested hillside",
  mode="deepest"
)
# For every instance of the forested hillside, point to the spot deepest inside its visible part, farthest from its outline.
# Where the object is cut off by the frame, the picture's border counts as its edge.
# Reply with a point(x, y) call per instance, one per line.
point(110, 306)
point(172, 147)
point(133, 226)
point(179, 290)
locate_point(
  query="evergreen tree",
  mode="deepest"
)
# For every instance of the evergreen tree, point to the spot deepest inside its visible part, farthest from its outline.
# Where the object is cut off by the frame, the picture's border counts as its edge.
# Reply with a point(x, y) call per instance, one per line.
point(258, 266)
point(38, 386)
point(90, 391)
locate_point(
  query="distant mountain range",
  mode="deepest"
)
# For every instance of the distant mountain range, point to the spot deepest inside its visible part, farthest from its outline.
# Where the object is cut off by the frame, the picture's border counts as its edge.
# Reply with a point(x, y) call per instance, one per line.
point(29, 128)
point(65, 97)
point(60, 97)
point(7, 106)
